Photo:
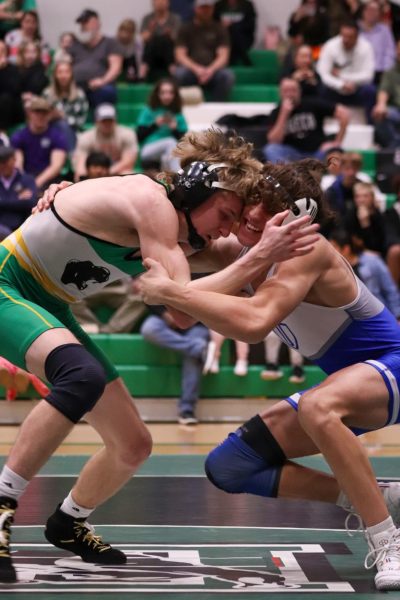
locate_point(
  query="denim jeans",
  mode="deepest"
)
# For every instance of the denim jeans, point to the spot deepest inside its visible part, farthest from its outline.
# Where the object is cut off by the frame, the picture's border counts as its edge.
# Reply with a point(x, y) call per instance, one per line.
point(191, 343)
point(283, 153)
point(219, 86)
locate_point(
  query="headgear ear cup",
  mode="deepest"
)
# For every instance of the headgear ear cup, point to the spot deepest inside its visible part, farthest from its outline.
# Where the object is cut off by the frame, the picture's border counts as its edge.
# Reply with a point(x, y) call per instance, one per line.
point(302, 207)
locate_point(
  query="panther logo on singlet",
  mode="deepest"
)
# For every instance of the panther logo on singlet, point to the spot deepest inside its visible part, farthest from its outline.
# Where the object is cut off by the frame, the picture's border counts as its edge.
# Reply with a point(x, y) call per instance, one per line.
point(81, 272)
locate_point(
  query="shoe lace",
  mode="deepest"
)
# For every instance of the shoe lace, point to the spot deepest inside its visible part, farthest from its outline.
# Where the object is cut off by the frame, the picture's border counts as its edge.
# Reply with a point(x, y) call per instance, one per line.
point(86, 532)
point(353, 514)
point(388, 550)
point(6, 519)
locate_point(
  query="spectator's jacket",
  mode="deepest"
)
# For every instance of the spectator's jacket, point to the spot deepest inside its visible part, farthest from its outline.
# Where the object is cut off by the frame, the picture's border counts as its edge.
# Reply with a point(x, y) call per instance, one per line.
point(13, 210)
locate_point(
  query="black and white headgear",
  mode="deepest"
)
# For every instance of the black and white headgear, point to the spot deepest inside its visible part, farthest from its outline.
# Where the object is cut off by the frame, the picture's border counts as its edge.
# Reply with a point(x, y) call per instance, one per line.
point(192, 186)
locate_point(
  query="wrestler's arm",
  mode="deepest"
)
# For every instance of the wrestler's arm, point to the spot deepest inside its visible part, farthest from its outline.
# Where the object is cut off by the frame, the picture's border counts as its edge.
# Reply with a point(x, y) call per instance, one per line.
point(278, 243)
point(246, 319)
point(156, 223)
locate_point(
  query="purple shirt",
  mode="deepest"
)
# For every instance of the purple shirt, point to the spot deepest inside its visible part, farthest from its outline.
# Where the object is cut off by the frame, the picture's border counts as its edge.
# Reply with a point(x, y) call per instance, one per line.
point(382, 41)
point(37, 147)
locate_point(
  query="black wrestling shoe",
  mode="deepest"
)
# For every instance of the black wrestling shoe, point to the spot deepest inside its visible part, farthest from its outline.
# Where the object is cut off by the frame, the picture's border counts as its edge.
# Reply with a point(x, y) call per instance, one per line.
point(7, 511)
point(77, 536)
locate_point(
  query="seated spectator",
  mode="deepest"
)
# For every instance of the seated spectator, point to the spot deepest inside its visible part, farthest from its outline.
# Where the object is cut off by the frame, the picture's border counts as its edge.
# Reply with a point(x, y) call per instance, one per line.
point(365, 221)
point(117, 141)
point(386, 111)
point(380, 36)
point(310, 24)
point(161, 329)
point(160, 125)
point(303, 71)
point(340, 193)
point(204, 64)
point(239, 18)
point(69, 102)
point(159, 30)
point(120, 296)
point(346, 66)
point(41, 147)
point(65, 42)
point(10, 15)
point(297, 125)
point(29, 31)
point(391, 219)
point(11, 110)
point(96, 60)
point(370, 268)
point(32, 72)
point(211, 364)
point(18, 192)
point(342, 174)
point(272, 371)
point(131, 50)
point(97, 164)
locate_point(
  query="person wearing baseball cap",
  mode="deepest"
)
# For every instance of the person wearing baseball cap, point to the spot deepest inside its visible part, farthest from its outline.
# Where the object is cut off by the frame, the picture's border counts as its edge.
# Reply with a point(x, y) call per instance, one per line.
point(96, 59)
point(41, 146)
point(118, 142)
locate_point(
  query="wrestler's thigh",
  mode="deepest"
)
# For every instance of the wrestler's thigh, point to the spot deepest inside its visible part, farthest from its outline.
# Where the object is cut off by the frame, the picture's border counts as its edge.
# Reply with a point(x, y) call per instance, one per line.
point(358, 394)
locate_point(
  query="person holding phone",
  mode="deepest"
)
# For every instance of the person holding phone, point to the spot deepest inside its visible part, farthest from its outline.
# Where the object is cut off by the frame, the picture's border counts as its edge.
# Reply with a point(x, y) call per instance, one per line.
point(160, 125)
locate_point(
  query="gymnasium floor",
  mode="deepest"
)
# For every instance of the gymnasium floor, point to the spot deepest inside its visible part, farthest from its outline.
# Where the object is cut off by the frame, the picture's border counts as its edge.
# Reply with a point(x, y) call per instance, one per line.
point(185, 539)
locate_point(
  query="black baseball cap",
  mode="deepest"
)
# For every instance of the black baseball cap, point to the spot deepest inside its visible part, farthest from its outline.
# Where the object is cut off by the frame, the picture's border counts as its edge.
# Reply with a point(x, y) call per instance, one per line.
point(87, 14)
point(6, 152)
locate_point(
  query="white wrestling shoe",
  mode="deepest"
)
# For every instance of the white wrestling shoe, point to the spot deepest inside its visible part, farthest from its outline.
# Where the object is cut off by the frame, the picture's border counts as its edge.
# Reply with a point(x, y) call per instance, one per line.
point(391, 494)
point(385, 555)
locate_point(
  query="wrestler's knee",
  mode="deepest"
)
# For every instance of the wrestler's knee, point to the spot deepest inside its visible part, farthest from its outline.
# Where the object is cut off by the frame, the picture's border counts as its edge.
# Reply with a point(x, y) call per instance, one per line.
point(249, 460)
point(223, 470)
point(316, 409)
point(78, 380)
point(132, 452)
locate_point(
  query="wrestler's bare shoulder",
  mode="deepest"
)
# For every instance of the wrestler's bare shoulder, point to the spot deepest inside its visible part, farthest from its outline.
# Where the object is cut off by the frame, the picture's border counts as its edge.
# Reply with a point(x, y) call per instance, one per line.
point(333, 284)
point(111, 207)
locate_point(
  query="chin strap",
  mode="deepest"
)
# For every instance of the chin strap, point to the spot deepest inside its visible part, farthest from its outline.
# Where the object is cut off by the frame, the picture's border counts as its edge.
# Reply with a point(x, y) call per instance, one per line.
point(194, 239)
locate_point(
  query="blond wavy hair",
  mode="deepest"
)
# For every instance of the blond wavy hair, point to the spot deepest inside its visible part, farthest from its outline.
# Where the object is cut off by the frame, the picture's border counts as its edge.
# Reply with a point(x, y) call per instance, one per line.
point(242, 173)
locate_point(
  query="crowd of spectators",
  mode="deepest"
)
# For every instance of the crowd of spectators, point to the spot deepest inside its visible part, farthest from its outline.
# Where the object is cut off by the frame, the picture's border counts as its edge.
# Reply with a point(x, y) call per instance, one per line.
point(59, 116)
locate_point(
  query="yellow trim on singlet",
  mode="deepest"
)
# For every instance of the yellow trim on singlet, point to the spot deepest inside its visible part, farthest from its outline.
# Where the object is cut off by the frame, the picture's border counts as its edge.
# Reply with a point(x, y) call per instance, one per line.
point(17, 301)
point(35, 312)
point(5, 259)
point(32, 268)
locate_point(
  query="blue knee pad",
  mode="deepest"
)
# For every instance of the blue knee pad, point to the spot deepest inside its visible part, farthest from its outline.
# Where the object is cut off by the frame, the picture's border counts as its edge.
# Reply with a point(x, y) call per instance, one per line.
point(249, 460)
point(78, 380)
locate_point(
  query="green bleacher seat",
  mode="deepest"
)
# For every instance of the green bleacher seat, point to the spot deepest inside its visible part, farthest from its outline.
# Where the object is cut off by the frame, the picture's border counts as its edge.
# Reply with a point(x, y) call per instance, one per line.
point(251, 75)
point(268, 60)
point(144, 381)
point(135, 93)
point(254, 93)
point(128, 113)
point(369, 161)
point(151, 371)
point(390, 200)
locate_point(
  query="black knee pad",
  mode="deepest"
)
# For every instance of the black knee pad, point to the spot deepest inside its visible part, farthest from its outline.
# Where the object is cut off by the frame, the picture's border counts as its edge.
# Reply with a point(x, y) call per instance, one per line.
point(257, 435)
point(78, 380)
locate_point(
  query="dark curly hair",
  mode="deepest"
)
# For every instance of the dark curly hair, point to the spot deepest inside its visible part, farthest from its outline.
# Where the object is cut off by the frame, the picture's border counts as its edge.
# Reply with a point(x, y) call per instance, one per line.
point(299, 179)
